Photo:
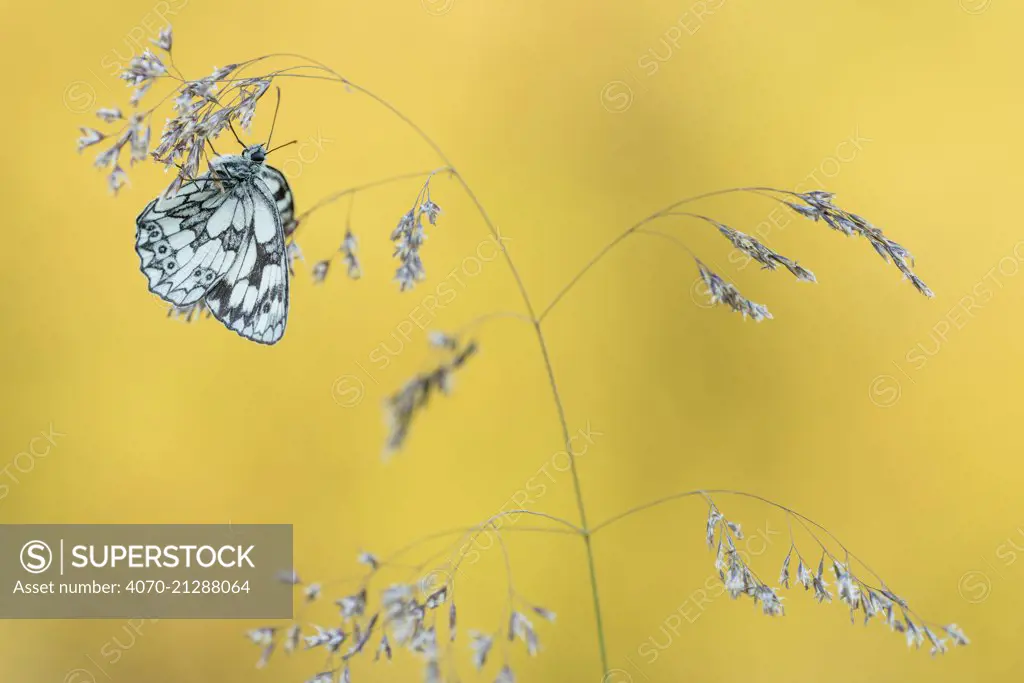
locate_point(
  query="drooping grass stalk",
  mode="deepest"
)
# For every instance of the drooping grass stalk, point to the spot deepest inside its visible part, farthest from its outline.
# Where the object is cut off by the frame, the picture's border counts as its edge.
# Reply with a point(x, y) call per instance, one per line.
point(585, 532)
point(559, 406)
point(245, 93)
point(350, 191)
point(661, 213)
point(238, 100)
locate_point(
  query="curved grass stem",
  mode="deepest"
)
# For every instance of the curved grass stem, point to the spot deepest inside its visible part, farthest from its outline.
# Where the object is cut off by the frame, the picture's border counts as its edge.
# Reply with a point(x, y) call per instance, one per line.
point(661, 213)
point(530, 314)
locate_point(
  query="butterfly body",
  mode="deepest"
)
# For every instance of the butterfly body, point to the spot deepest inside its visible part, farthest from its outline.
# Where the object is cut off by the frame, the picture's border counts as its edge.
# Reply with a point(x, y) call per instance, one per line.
point(240, 167)
point(220, 240)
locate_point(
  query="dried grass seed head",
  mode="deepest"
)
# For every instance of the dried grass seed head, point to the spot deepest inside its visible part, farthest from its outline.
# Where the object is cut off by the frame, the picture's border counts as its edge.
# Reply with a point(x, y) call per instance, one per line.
point(761, 253)
point(818, 205)
point(722, 292)
point(401, 407)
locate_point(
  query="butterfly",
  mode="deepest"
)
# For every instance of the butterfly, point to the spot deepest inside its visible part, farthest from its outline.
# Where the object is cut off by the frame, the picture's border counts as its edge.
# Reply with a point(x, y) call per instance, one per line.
point(220, 241)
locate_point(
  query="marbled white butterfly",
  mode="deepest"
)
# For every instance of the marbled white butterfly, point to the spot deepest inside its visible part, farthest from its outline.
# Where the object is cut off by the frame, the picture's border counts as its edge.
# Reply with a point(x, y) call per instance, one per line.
point(220, 239)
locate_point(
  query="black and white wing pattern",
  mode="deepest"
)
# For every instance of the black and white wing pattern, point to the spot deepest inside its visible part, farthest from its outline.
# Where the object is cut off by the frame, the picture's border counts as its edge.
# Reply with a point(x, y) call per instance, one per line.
point(221, 239)
point(283, 197)
point(251, 297)
point(179, 253)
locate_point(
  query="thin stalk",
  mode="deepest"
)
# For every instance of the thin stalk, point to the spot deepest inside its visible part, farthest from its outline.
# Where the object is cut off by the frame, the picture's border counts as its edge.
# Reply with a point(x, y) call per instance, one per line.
point(743, 494)
point(531, 312)
point(629, 231)
point(578, 490)
point(348, 192)
point(487, 317)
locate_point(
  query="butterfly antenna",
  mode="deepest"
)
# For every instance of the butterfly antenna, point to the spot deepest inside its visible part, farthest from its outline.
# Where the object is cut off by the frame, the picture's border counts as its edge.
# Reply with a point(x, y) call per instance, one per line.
point(274, 121)
point(284, 145)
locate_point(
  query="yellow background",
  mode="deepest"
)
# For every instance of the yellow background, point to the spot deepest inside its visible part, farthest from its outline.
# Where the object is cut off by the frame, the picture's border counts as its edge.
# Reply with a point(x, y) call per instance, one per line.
point(168, 422)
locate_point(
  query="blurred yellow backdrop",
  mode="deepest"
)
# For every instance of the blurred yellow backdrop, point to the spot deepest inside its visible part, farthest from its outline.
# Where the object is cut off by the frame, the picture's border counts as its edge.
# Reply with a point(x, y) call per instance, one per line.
point(892, 419)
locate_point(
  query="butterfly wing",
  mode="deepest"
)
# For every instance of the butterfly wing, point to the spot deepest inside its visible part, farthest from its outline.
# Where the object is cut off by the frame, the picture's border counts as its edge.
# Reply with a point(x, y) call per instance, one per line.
point(283, 197)
point(252, 296)
point(182, 243)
